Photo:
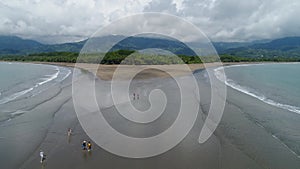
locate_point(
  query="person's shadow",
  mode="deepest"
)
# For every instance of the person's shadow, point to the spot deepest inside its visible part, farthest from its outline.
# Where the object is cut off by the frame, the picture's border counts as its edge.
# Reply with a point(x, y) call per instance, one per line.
point(44, 164)
point(84, 155)
point(90, 153)
point(69, 138)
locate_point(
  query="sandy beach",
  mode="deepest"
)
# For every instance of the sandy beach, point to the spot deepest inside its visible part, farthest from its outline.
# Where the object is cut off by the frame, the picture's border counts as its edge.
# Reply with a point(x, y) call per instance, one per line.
point(106, 72)
point(250, 134)
point(149, 84)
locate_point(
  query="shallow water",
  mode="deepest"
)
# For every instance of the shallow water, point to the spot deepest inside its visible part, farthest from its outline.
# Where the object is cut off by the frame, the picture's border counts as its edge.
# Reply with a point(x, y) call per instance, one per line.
point(31, 96)
point(20, 81)
point(274, 84)
point(277, 87)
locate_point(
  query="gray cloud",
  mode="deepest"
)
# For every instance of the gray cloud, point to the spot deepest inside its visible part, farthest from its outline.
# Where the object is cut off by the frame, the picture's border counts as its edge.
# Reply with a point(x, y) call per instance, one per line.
point(236, 20)
point(222, 20)
point(167, 6)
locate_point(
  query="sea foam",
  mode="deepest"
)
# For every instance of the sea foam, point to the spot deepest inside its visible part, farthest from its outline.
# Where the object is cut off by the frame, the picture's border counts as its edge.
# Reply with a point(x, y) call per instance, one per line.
point(252, 92)
point(48, 79)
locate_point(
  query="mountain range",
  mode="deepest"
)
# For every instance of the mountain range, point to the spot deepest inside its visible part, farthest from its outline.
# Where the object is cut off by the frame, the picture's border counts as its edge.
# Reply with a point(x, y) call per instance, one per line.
point(283, 47)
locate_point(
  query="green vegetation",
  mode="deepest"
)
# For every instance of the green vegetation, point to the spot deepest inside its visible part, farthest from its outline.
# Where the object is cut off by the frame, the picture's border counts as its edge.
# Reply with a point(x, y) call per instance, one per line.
point(257, 53)
point(132, 57)
point(231, 58)
point(115, 57)
point(44, 57)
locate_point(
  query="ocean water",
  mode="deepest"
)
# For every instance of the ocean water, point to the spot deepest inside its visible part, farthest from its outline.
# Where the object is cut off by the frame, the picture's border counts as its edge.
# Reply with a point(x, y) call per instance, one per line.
point(274, 84)
point(22, 81)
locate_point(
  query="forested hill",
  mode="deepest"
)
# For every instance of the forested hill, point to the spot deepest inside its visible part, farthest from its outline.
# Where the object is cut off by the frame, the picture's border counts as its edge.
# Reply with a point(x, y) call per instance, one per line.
point(288, 47)
point(15, 48)
point(10, 45)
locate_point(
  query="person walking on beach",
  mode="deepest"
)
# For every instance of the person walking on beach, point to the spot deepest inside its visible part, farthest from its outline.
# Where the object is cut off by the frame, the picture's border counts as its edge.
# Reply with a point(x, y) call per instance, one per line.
point(43, 156)
point(69, 135)
point(89, 146)
point(69, 132)
point(84, 145)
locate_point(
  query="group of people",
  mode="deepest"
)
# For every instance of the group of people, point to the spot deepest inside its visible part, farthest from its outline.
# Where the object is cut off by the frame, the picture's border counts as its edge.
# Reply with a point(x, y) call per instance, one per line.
point(136, 96)
point(86, 145)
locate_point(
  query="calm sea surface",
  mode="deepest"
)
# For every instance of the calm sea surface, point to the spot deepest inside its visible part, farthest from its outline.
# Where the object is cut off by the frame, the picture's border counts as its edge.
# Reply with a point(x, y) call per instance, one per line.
point(275, 84)
point(20, 81)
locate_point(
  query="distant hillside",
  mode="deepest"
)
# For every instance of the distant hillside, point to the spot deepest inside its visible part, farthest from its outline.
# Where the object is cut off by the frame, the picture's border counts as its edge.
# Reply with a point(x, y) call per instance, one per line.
point(13, 45)
point(283, 44)
point(288, 47)
point(10, 45)
point(141, 43)
point(223, 46)
point(9, 42)
point(285, 47)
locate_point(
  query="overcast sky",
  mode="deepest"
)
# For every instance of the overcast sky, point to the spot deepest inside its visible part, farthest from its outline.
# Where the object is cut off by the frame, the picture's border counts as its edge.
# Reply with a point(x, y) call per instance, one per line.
point(221, 20)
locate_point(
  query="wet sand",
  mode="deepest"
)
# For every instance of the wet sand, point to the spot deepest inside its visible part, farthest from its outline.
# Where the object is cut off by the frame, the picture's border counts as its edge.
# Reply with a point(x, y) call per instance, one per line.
point(250, 135)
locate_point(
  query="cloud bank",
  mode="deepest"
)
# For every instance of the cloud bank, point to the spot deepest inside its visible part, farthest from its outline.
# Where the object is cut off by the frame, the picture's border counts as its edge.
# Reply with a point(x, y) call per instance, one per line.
point(54, 21)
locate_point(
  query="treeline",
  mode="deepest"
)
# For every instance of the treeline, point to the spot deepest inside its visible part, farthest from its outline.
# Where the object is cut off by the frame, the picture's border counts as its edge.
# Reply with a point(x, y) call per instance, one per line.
point(132, 57)
point(114, 57)
point(44, 57)
point(230, 58)
point(293, 52)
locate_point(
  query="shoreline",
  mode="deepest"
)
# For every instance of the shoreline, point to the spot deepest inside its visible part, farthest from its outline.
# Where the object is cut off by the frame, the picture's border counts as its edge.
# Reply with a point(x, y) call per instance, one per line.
point(106, 72)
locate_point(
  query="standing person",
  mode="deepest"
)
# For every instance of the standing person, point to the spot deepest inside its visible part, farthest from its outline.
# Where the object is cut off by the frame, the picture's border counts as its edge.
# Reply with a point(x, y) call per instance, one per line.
point(43, 156)
point(138, 96)
point(69, 135)
point(133, 96)
point(69, 132)
point(84, 145)
point(89, 146)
